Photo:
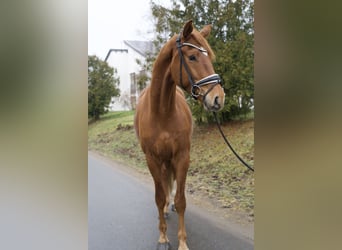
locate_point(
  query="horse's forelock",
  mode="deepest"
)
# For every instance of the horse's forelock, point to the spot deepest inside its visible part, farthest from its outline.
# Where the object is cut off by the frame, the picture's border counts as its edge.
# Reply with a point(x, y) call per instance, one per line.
point(196, 35)
point(204, 43)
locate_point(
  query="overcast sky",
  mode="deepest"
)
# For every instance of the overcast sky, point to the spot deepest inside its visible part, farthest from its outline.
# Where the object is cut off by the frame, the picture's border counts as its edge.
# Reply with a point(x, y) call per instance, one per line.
point(110, 22)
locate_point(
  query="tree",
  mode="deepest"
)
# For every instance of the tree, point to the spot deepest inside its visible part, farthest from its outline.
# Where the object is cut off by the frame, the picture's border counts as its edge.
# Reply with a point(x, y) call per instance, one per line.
point(232, 38)
point(102, 86)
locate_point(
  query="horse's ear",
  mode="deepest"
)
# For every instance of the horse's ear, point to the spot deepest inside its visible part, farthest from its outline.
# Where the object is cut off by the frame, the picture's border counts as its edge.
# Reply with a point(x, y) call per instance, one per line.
point(206, 31)
point(187, 29)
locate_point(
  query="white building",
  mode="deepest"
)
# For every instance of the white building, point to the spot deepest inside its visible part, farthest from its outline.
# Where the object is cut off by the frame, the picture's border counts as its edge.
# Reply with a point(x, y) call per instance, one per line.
point(125, 61)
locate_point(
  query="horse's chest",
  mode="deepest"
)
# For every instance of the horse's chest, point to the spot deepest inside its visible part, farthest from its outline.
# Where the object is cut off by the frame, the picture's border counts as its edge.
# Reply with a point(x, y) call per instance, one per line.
point(165, 144)
point(165, 141)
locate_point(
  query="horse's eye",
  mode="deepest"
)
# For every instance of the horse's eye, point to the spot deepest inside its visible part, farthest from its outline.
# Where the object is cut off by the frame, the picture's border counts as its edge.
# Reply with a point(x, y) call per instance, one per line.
point(192, 58)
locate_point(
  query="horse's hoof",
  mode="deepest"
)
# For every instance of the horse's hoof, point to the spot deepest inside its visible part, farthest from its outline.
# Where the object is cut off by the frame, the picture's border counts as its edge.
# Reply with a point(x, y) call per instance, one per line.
point(164, 246)
point(166, 215)
point(173, 208)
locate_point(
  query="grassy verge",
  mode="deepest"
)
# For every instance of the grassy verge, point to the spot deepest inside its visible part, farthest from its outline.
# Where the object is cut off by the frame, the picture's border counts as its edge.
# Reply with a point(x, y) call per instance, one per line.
point(214, 171)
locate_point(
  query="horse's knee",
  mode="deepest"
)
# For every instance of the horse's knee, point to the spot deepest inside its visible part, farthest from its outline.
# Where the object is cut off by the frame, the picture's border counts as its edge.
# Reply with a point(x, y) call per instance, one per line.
point(160, 201)
point(160, 198)
point(180, 203)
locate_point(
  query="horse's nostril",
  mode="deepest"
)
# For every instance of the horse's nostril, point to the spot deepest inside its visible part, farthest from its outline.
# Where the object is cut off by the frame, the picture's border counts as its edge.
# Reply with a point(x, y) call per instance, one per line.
point(216, 101)
point(217, 104)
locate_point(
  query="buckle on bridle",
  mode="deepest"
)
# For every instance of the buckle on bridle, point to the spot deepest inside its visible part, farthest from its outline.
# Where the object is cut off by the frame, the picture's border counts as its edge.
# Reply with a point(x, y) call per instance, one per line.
point(195, 88)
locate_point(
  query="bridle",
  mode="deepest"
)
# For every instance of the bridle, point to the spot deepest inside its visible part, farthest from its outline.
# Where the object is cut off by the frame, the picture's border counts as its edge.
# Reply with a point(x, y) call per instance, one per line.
point(212, 80)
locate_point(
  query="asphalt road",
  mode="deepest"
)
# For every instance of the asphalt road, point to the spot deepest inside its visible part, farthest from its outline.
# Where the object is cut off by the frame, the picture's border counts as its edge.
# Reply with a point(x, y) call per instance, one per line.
point(122, 215)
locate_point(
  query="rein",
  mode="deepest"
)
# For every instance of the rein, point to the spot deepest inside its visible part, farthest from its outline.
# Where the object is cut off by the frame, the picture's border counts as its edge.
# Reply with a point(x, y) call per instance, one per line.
point(213, 79)
point(230, 146)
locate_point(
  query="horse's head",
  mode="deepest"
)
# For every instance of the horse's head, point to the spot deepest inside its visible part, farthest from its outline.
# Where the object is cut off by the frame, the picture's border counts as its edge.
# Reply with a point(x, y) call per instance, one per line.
point(192, 67)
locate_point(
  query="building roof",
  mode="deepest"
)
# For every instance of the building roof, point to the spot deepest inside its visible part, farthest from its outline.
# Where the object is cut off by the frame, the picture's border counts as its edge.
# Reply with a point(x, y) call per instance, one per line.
point(115, 50)
point(141, 47)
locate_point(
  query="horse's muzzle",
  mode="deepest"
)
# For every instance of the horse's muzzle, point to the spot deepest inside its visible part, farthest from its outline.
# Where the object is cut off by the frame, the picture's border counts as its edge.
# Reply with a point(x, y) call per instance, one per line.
point(214, 100)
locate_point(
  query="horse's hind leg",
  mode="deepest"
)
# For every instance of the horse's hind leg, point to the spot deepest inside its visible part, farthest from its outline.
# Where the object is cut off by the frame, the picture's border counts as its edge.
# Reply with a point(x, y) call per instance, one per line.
point(167, 181)
point(160, 198)
point(172, 195)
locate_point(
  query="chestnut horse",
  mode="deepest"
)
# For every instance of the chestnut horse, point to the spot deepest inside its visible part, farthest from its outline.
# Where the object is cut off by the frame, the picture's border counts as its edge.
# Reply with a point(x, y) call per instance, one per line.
point(163, 120)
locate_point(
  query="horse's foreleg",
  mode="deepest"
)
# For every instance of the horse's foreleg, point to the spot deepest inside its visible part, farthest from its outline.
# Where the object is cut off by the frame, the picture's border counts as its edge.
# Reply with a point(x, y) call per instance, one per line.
point(160, 199)
point(180, 203)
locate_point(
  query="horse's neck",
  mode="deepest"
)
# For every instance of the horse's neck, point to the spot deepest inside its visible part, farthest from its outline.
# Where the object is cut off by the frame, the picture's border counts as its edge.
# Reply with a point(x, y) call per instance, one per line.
point(163, 90)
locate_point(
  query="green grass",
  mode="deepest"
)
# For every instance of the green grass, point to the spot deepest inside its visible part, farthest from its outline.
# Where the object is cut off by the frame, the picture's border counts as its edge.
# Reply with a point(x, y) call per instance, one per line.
point(214, 171)
point(113, 136)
